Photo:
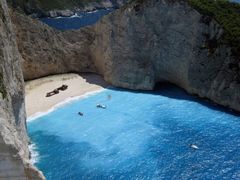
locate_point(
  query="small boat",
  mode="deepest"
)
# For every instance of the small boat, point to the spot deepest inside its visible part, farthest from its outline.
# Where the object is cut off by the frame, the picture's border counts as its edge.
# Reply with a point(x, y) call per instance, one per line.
point(80, 113)
point(193, 146)
point(101, 106)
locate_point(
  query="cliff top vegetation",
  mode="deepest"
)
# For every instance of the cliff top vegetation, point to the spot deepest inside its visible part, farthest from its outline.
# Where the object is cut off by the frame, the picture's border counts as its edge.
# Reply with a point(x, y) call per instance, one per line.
point(225, 13)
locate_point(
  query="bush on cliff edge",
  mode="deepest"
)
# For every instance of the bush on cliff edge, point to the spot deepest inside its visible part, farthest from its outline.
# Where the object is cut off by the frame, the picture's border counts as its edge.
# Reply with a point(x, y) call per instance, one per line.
point(225, 13)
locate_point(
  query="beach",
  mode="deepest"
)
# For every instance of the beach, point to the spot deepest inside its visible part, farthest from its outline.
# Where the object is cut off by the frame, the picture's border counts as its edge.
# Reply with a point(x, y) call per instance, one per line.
point(78, 85)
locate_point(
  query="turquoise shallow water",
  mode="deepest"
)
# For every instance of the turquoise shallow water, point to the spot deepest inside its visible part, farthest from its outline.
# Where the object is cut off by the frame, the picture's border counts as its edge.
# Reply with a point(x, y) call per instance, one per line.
point(139, 136)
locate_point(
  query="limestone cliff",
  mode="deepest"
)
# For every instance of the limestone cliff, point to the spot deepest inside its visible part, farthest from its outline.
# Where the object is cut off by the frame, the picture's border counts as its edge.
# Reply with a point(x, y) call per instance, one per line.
point(143, 43)
point(14, 154)
point(45, 51)
point(153, 41)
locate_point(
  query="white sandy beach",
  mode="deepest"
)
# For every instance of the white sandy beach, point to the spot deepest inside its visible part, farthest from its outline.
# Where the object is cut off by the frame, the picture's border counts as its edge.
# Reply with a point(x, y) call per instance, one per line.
point(36, 100)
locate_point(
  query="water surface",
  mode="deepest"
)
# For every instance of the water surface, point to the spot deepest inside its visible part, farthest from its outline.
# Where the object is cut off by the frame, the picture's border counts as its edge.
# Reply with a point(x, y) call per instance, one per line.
point(77, 21)
point(237, 1)
point(139, 136)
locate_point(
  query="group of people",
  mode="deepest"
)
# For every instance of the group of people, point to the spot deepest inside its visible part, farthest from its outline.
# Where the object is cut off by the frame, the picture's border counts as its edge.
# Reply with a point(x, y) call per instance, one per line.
point(56, 91)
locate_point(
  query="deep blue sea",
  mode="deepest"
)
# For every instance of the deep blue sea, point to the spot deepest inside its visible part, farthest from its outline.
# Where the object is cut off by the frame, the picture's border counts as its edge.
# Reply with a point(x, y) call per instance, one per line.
point(81, 19)
point(138, 136)
point(237, 1)
point(77, 21)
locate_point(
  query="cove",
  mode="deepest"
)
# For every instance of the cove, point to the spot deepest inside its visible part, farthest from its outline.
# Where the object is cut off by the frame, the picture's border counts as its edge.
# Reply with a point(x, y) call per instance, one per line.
point(140, 135)
point(77, 21)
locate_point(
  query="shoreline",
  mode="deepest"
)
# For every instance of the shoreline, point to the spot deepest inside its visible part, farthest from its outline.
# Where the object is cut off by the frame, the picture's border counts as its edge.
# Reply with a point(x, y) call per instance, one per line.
point(79, 87)
point(61, 104)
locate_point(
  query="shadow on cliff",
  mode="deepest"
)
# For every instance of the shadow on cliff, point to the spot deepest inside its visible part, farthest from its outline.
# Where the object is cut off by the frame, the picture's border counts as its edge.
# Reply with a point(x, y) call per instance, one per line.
point(172, 91)
point(164, 89)
point(94, 79)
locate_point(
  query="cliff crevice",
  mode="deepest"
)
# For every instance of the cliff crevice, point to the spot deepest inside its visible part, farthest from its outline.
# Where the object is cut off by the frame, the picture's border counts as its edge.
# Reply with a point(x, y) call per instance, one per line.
point(14, 153)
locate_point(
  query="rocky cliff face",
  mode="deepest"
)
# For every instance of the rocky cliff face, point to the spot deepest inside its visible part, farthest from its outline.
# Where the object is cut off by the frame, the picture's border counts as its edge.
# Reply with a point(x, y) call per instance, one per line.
point(46, 51)
point(153, 41)
point(143, 43)
point(14, 154)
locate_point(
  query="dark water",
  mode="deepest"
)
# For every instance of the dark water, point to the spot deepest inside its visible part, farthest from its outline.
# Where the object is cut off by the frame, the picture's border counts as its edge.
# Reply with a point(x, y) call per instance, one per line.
point(81, 19)
point(237, 1)
point(77, 21)
point(139, 136)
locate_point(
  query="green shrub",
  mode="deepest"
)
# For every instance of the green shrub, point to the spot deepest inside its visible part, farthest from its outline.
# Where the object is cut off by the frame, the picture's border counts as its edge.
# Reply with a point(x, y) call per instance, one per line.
point(225, 13)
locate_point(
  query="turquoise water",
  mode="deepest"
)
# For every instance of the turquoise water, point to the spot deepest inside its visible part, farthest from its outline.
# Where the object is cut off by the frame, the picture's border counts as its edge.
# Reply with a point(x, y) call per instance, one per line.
point(138, 136)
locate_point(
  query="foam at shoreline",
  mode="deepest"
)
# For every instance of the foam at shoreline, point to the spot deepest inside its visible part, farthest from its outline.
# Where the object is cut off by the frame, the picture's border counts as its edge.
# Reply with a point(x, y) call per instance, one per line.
point(34, 154)
point(140, 135)
point(61, 104)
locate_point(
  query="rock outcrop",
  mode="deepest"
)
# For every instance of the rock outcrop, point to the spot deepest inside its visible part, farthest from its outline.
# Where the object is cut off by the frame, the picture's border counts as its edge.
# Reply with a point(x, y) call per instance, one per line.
point(135, 47)
point(153, 41)
point(88, 7)
point(14, 154)
point(65, 8)
point(45, 51)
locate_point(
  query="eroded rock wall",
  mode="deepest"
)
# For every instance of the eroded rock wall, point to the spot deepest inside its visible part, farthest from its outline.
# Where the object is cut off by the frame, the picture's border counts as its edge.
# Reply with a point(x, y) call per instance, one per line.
point(14, 154)
point(144, 42)
point(45, 51)
point(153, 41)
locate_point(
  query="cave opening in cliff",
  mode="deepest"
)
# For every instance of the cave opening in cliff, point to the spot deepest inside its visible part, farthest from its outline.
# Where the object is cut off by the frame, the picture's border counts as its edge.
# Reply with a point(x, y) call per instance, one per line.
point(136, 135)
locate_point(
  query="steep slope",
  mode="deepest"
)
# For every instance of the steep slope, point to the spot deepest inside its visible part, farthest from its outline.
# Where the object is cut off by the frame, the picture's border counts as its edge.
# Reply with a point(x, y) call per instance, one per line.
point(153, 41)
point(143, 43)
point(14, 154)
point(45, 51)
